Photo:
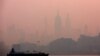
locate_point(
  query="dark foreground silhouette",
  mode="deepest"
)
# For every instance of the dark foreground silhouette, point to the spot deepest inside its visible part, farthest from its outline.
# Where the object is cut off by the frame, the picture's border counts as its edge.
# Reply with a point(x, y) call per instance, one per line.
point(85, 45)
point(13, 53)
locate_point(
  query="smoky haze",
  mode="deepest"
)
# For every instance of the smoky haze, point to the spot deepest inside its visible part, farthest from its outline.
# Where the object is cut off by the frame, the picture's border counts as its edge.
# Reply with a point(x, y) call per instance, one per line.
point(24, 20)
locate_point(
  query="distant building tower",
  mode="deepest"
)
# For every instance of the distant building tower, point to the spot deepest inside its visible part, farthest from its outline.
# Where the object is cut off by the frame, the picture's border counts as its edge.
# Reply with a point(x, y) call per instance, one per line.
point(85, 30)
point(1, 30)
point(22, 36)
point(21, 39)
point(68, 26)
point(58, 25)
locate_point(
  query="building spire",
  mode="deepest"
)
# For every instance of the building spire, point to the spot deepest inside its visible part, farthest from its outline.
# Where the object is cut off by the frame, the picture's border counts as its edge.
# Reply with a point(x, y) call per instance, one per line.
point(58, 25)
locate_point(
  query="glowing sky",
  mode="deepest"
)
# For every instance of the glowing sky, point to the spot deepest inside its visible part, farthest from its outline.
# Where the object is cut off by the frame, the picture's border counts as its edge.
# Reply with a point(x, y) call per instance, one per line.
point(28, 18)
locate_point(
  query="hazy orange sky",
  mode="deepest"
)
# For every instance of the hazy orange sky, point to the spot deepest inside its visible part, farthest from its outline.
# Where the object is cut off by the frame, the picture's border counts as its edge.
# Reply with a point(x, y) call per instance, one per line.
point(26, 19)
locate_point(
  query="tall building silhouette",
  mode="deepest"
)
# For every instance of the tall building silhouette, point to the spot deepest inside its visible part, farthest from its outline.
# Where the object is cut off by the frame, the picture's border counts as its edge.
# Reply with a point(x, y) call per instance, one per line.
point(68, 26)
point(58, 25)
point(1, 33)
point(22, 36)
point(85, 32)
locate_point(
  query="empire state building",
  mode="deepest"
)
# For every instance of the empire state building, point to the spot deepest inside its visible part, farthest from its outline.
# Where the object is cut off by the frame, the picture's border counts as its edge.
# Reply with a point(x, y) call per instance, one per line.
point(58, 25)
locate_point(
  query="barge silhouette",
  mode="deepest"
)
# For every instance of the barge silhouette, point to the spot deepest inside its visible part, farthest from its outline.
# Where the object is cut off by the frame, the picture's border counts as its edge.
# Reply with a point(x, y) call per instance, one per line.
point(27, 53)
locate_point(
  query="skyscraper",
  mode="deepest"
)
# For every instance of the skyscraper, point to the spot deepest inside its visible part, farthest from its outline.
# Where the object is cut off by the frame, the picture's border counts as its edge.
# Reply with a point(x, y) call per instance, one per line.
point(22, 36)
point(68, 26)
point(1, 33)
point(58, 25)
point(85, 29)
